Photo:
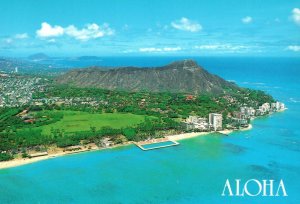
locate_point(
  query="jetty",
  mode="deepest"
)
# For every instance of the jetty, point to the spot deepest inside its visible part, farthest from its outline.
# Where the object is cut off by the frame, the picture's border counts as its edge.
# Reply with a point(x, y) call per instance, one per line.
point(221, 133)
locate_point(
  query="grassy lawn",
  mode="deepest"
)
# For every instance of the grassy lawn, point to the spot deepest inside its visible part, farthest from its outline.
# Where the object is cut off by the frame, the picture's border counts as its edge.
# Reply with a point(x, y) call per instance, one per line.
point(73, 121)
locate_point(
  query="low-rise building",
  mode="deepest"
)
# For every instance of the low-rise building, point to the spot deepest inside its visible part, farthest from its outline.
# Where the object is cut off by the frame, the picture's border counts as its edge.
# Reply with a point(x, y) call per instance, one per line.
point(248, 111)
point(239, 115)
point(263, 109)
point(195, 122)
point(278, 106)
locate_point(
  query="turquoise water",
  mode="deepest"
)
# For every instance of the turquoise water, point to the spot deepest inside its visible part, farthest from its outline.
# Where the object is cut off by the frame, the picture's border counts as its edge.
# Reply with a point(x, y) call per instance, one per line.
point(194, 171)
point(158, 144)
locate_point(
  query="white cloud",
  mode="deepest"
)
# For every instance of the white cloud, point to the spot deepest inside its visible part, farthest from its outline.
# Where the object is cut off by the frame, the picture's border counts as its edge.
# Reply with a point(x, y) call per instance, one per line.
point(164, 49)
point(247, 19)
point(296, 15)
point(21, 36)
point(223, 47)
point(90, 31)
point(186, 25)
point(295, 48)
point(150, 49)
point(207, 47)
point(172, 49)
point(128, 51)
point(52, 40)
point(49, 31)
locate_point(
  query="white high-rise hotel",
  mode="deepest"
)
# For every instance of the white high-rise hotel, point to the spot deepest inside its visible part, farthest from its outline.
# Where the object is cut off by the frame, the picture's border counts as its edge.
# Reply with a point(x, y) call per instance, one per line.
point(215, 121)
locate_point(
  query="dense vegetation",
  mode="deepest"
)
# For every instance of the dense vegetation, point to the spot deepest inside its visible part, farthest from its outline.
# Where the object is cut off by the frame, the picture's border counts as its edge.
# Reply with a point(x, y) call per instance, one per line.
point(164, 104)
point(147, 114)
point(14, 140)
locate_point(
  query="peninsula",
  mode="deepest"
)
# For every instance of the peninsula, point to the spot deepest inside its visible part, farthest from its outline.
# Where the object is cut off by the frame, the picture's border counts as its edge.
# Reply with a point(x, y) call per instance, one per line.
point(93, 108)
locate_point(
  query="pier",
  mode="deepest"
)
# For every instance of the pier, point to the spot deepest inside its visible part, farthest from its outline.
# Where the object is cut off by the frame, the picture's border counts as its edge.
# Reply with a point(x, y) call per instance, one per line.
point(221, 133)
point(156, 144)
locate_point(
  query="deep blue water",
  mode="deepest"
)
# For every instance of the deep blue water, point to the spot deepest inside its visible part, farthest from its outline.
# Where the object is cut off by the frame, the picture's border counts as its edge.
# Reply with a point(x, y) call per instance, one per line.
point(194, 171)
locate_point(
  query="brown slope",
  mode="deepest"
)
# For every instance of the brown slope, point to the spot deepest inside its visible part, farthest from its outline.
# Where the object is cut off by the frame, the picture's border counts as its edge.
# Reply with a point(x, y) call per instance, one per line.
point(182, 76)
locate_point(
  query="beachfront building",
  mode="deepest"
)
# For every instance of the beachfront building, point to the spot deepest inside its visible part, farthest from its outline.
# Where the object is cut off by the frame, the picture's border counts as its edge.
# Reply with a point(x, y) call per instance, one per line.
point(215, 121)
point(281, 106)
point(278, 106)
point(196, 122)
point(239, 115)
point(239, 122)
point(240, 118)
point(265, 107)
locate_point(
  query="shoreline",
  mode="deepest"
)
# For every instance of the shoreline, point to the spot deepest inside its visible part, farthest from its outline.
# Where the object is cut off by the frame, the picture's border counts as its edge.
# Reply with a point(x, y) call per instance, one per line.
point(186, 135)
point(226, 132)
point(24, 161)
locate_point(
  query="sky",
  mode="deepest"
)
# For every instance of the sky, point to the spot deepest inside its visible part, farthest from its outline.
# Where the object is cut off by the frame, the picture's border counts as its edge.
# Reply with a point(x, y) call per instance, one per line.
point(150, 27)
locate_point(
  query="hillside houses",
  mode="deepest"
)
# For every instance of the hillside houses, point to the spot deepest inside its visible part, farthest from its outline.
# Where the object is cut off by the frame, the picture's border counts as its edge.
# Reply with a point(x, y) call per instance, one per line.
point(18, 90)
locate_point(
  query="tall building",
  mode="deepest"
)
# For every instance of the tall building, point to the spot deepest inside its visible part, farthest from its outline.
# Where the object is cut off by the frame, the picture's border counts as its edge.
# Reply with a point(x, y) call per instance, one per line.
point(215, 121)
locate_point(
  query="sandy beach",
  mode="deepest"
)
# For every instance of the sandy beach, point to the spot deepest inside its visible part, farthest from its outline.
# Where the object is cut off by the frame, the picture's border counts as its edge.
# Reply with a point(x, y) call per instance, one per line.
point(186, 135)
point(57, 153)
point(23, 161)
point(60, 152)
point(227, 132)
point(196, 134)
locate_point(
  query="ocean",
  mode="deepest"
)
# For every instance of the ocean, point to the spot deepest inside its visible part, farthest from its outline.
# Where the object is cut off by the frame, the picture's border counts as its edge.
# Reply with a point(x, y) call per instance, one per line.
point(194, 171)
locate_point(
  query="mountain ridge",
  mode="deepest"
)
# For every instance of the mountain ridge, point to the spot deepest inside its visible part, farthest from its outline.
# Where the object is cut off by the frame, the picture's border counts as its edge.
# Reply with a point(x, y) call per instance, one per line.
point(184, 76)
